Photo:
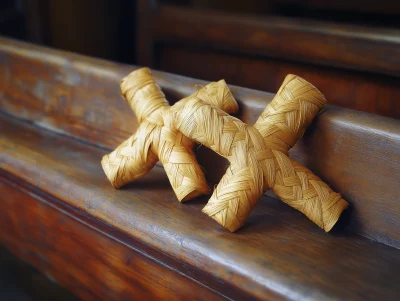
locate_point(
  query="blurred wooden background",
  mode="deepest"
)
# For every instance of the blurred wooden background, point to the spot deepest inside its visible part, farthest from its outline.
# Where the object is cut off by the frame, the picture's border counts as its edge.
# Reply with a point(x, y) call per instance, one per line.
point(348, 49)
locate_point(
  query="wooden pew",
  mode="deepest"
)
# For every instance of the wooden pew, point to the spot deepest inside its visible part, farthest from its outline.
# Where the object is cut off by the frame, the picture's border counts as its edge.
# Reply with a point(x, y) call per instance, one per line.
point(358, 65)
point(61, 112)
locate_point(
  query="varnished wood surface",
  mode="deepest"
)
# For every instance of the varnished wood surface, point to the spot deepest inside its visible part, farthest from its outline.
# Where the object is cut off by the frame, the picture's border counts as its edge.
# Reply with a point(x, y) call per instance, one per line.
point(75, 252)
point(278, 253)
point(356, 153)
point(345, 46)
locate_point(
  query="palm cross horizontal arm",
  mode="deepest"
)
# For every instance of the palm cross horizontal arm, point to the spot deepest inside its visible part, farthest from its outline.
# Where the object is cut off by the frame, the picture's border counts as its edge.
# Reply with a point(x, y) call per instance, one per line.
point(157, 139)
point(258, 156)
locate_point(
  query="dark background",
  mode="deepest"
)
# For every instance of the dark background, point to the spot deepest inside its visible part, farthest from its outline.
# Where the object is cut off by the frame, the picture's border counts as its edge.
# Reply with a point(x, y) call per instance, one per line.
point(107, 28)
point(350, 50)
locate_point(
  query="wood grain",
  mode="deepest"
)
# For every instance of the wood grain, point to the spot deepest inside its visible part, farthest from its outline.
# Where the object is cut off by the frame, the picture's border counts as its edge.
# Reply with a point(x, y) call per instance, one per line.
point(268, 258)
point(92, 264)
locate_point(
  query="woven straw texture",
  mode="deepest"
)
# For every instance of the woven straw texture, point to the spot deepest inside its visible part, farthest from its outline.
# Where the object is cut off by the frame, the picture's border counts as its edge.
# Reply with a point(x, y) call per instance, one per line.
point(158, 139)
point(258, 156)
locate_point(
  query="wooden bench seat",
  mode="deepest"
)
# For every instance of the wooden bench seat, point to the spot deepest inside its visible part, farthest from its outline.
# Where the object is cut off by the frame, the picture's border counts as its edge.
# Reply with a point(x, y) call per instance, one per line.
point(279, 252)
point(61, 113)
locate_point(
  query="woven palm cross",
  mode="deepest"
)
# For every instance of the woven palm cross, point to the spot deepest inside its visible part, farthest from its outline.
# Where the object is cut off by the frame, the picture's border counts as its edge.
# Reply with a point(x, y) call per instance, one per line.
point(258, 156)
point(157, 139)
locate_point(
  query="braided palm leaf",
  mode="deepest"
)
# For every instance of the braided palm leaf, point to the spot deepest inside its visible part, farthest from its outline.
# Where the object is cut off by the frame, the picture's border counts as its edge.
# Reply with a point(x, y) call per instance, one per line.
point(158, 139)
point(258, 156)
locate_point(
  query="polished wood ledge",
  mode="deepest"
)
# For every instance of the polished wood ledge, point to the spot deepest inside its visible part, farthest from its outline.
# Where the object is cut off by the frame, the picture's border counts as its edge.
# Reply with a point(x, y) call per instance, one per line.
point(61, 114)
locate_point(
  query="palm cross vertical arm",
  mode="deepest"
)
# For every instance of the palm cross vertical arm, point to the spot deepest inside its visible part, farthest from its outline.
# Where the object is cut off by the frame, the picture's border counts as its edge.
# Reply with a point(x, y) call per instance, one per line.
point(258, 156)
point(157, 138)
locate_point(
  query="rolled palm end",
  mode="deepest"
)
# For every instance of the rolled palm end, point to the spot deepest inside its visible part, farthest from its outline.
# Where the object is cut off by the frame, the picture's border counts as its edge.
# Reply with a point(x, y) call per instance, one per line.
point(304, 191)
point(186, 178)
point(184, 173)
point(196, 192)
point(235, 196)
point(119, 177)
point(110, 172)
point(128, 162)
